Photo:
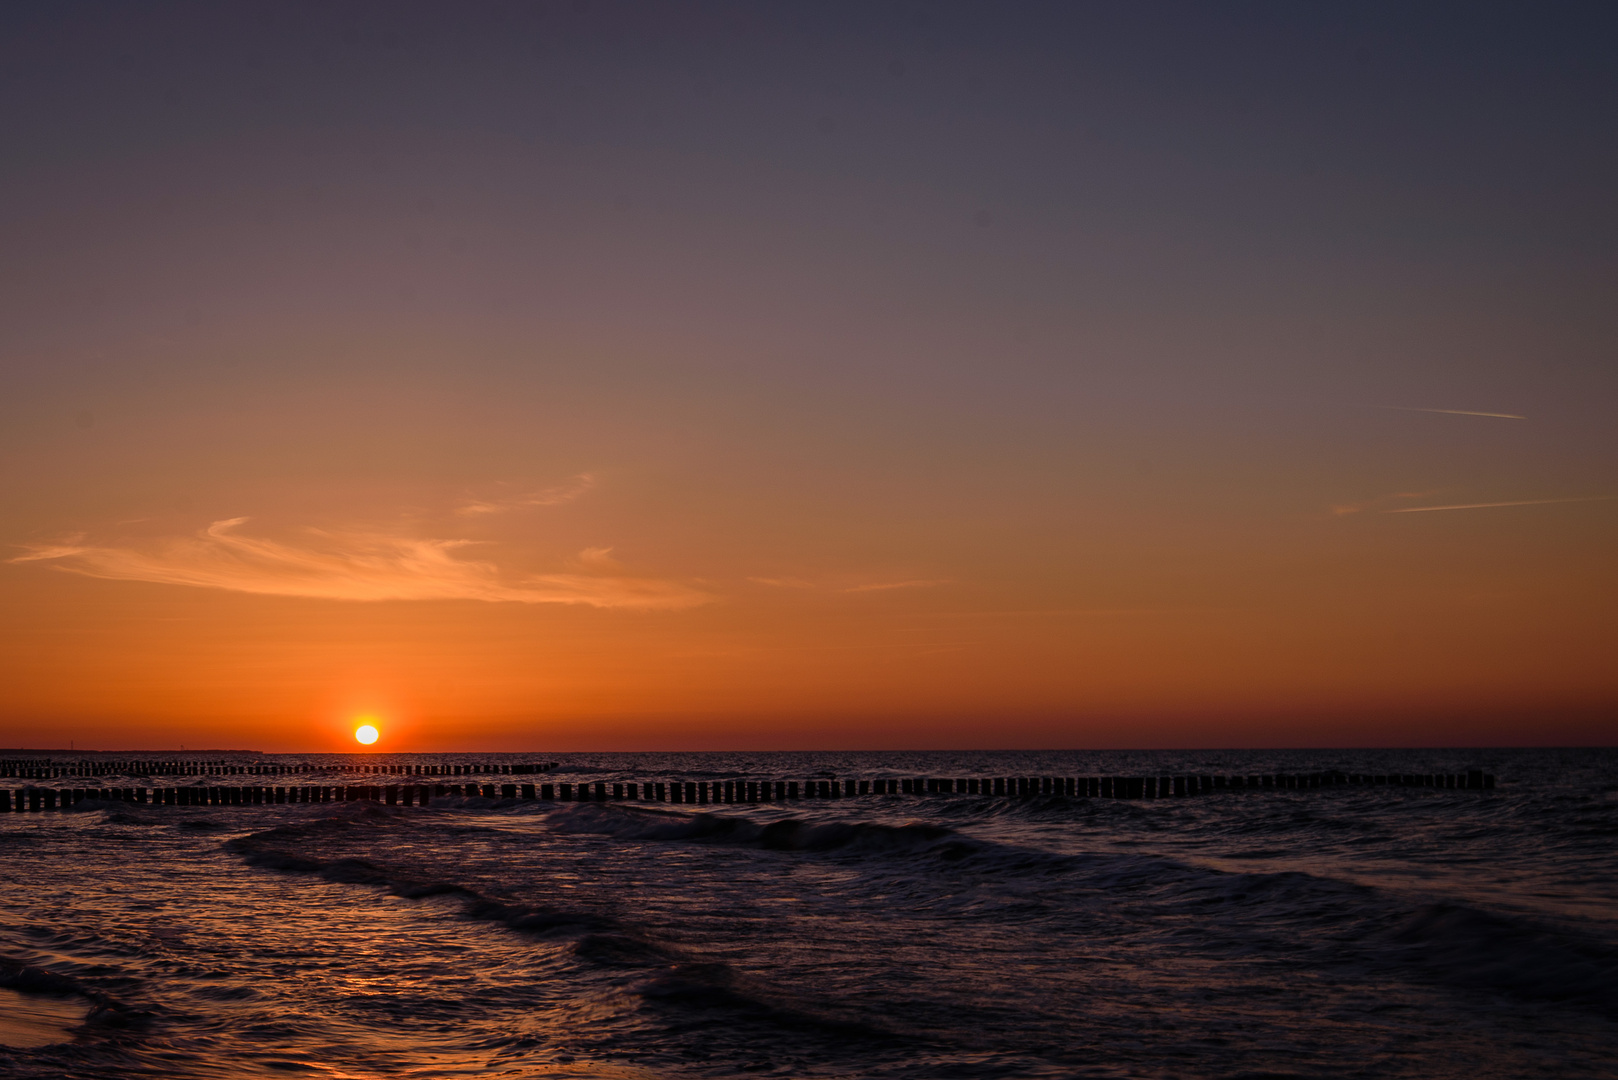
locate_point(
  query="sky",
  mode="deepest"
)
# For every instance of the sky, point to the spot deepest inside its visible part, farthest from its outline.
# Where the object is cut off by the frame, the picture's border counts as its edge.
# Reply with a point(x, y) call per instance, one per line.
point(869, 375)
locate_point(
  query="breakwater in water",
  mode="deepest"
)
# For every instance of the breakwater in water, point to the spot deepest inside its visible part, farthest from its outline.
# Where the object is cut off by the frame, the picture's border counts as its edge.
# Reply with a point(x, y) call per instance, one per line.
point(48, 769)
point(699, 792)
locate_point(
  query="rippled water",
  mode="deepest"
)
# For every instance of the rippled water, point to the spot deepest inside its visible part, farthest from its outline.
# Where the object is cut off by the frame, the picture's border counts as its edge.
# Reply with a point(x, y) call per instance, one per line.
point(1346, 932)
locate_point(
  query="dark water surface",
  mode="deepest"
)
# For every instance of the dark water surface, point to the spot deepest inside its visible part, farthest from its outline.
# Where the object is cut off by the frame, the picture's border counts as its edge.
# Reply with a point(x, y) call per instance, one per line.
point(1345, 932)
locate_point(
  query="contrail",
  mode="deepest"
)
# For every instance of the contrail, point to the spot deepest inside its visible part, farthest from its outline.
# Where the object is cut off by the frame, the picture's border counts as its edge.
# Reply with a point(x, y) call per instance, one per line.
point(1455, 412)
point(1484, 506)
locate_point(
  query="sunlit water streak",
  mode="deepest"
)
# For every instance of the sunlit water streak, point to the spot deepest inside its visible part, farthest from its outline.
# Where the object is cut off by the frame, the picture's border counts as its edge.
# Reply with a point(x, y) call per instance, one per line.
point(1343, 932)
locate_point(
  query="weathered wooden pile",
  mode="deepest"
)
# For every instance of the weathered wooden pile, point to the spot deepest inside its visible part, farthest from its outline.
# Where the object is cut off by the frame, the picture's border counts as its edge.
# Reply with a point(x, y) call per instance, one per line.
point(38, 769)
point(703, 792)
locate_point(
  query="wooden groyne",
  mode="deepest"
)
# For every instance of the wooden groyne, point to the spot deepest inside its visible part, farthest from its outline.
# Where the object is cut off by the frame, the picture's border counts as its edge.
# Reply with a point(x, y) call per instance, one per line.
point(46, 769)
point(707, 792)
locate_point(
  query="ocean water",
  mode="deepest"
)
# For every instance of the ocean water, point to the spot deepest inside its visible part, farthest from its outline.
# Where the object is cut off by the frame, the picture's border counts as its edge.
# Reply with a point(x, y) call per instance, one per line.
point(1348, 932)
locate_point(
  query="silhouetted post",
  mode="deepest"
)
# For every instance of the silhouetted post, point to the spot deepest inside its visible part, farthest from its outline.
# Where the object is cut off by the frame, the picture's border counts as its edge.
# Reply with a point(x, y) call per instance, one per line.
point(528, 792)
point(547, 791)
point(567, 792)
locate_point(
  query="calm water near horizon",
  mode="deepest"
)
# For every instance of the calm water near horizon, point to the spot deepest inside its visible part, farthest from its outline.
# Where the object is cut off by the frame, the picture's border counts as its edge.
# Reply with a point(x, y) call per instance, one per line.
point(1356, 932)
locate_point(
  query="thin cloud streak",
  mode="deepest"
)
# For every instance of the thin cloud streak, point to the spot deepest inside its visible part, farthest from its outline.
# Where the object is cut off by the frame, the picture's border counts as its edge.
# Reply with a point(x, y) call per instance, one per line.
point(1454, 412)
point(360, 566)
point(886, 585)
point(555, 496)
point(1489, 505)
point(879, 586)
point(783, 583)
point(1360, 508)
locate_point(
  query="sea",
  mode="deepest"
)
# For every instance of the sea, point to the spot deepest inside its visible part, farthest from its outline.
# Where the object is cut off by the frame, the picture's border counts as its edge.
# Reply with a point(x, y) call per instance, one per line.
point(1347, 931)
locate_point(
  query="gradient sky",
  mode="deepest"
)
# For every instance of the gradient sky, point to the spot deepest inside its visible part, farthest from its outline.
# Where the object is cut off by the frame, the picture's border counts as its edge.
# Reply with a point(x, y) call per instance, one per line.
point(549, 376)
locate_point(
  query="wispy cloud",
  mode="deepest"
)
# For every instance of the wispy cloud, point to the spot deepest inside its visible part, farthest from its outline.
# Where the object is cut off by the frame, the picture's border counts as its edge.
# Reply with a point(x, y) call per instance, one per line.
point(338, 565)
point(877, 586)
point(1378, 504)
point(553, 496)
point(1490, 505)
point(884, 586)
point(783, 583)
point(1454, 412)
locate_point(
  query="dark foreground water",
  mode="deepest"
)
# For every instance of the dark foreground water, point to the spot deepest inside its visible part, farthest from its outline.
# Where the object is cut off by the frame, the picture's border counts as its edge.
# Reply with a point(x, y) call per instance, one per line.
point(1343, 932)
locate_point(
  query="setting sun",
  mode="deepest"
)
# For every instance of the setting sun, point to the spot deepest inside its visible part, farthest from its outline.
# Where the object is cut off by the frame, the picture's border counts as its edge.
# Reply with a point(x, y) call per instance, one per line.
point(366, 733)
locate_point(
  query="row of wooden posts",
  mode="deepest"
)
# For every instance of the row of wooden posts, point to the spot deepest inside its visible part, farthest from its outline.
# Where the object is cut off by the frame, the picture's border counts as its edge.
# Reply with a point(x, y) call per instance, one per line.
point(736, 791)
point(33, 769)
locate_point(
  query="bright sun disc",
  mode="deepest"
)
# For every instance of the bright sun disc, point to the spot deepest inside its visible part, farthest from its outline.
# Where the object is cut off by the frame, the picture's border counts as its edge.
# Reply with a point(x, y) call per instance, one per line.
point(366, 733)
